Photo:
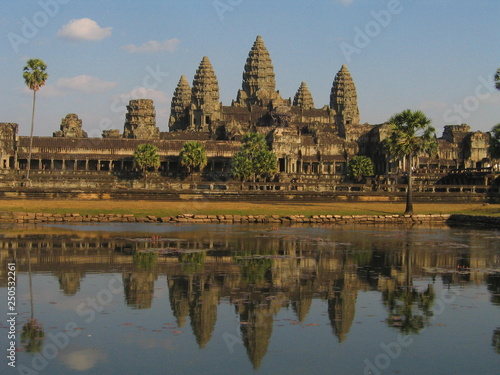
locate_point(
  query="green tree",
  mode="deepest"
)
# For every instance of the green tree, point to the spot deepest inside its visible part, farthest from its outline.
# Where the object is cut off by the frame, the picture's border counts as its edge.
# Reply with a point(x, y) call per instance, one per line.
point(146, 157)
point(360, 167)
point(254, 159)
point(410, 135)
point(495, 141)
point(497, 79)
point(193, 156)
point(35, 75)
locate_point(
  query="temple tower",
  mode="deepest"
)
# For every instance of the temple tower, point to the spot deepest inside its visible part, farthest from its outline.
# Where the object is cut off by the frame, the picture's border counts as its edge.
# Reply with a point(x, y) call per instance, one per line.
point(205, 107)
point(343, 99)
point(140, 120)
point(179, 109)
point(303, 97)
point(71, 127)
point(259, 84)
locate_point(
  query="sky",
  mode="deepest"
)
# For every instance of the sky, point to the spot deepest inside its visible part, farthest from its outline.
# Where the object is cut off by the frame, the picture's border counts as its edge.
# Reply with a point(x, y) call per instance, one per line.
point(438, 56)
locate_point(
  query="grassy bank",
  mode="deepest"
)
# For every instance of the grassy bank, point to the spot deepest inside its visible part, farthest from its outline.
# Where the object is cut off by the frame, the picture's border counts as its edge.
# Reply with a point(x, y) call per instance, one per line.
point(142, 208)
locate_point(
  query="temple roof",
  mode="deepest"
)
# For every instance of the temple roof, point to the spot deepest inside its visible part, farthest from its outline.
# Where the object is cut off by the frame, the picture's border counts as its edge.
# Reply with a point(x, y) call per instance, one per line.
point(114, 148)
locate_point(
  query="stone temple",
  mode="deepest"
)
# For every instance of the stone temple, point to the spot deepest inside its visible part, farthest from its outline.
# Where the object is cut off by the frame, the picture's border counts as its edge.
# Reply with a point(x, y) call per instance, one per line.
point(312, 144)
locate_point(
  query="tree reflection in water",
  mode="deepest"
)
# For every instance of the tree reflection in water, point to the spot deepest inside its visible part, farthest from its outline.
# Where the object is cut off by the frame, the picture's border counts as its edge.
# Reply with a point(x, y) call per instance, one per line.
point(32, 334)
point(409, 308)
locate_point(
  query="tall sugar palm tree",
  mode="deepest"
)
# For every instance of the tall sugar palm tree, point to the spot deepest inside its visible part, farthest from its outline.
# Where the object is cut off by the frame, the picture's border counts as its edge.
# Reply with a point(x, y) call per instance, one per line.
point(35, 75)
point(193, 155)
point(497, 79)
point(411, 135)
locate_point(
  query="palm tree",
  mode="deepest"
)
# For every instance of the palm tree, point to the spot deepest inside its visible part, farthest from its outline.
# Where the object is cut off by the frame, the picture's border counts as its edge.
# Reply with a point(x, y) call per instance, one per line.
point(497, 79)
point(495, 141)
point(34, 75)
point(359, 167)
point(146, 157)
point(192, 156)
point(411, 134)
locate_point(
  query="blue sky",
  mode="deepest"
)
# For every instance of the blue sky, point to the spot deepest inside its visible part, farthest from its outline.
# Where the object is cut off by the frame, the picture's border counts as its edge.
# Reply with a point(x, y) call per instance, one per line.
point(435, 55)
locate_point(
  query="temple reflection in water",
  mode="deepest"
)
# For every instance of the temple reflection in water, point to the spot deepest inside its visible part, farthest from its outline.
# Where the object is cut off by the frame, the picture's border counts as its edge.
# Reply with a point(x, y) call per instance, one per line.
point(265, 270)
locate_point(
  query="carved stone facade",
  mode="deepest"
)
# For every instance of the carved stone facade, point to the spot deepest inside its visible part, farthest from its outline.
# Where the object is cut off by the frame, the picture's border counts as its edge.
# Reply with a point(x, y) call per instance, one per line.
point(259, 83)
point(179, 109)
point(8, 135)
point(141, 120)
point(311, 144)
point(344, 99)
point(303, 97)
point(205, 106)
point(71, 127)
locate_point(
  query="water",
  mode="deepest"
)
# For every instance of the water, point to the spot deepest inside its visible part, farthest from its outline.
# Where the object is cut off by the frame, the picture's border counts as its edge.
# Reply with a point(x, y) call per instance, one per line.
point(217, 299)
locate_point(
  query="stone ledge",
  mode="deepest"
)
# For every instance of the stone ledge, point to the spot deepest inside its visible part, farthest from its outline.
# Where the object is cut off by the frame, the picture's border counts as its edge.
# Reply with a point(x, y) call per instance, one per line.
point(21, 217)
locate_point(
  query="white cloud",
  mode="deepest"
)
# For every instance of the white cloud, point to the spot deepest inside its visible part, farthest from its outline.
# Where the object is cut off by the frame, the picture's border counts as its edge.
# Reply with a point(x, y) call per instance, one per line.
point(86, 84)
point(83, 29)
point(82, 83)
point(158, 96)
point(153, 46)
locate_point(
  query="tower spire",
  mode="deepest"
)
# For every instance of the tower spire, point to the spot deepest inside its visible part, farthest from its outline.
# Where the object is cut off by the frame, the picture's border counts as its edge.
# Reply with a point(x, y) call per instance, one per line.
point(303, 97)
point(180, 105)
point(205, 85)
point(205, 106)
point(259, 83)
point(344, 99)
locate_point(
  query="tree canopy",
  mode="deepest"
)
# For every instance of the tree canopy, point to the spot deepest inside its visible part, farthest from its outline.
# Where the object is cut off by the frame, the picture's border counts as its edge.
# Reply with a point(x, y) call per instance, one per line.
point(254, 159)
point(497, 79)
point(410, 135)
point(193, 156)
point(34, 74)
point(360, 167)
point(146, 157)
point(495, 141)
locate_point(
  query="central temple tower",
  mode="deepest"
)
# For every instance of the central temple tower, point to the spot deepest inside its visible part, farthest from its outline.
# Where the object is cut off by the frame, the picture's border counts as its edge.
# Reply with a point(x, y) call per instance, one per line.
point(259, 84)
point(344, 99)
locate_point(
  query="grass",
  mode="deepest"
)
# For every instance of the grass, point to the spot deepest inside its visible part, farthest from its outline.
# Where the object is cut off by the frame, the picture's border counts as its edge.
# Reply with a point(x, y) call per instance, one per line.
point(143, 208)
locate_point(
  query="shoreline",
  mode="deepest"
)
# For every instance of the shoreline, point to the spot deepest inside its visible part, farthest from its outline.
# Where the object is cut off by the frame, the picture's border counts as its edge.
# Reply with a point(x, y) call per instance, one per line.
point(192, 206)
point(47, 218)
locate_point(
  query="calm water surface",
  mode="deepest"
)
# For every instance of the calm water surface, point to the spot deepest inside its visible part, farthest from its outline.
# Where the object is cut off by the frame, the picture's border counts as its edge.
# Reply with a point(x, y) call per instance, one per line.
point(217, 299)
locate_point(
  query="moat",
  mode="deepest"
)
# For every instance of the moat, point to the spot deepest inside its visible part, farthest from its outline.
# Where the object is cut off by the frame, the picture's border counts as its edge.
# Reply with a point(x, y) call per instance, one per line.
point(148, 298)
